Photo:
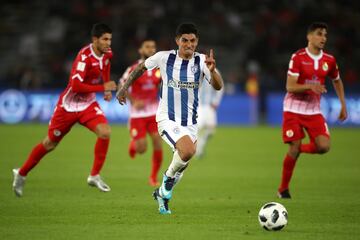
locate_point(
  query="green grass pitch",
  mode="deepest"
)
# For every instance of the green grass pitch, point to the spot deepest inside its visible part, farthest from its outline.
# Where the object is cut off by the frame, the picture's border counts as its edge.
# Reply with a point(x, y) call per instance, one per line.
point(218, 198)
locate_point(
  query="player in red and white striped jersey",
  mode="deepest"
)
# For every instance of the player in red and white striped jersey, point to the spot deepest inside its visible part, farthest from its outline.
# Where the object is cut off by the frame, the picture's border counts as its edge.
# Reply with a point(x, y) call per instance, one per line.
point(144, 99)
point(90, 73)
point(308, 69)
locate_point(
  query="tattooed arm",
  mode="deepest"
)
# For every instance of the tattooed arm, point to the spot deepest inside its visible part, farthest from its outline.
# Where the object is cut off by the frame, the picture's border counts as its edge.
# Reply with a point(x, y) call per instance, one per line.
point(121, 93)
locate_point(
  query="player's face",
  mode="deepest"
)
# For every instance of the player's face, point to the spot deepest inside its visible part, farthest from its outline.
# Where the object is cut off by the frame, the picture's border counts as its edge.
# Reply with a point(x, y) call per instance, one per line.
point(187, 44)
point(103, 43)
point(318, 38)
point(147, 49)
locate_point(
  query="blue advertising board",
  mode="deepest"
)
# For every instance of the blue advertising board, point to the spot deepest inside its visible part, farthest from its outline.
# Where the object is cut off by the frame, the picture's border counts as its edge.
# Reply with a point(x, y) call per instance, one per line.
point(37, 106)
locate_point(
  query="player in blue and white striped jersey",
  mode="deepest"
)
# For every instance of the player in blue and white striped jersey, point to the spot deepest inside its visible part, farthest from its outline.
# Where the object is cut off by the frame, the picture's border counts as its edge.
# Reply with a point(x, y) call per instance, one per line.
point(209, 101)
point(183, 71)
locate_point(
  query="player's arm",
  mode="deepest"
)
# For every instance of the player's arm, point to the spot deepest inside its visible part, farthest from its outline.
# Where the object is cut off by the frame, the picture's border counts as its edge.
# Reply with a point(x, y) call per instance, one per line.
point(135, 74)
point(339, 89)
point(292, 86)
point(216, 79)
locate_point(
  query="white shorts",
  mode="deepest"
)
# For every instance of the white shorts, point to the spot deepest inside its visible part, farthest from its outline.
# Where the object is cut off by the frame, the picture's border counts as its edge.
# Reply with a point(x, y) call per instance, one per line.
point(207, 117)
point(172, 131)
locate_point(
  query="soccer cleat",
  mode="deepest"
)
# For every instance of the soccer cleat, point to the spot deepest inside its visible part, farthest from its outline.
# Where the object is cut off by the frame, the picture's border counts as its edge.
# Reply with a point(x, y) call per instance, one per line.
point(284, 194)
point(166, 187)
point(163, 202)
point(96, 181)
point(18, 183)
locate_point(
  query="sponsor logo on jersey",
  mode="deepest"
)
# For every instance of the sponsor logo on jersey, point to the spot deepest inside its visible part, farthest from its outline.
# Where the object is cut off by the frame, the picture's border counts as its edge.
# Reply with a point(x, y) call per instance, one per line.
point(325, 66)
point(306, 63)
point(290, 133)
point(184, 85)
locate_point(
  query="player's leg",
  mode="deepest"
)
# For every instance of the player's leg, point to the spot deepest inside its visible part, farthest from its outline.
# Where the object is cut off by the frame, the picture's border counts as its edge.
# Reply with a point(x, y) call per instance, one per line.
point(94, 119)
point(181, 139)
point(157, 155)
point(292, 134)
point(138, 143)
point(60, 124)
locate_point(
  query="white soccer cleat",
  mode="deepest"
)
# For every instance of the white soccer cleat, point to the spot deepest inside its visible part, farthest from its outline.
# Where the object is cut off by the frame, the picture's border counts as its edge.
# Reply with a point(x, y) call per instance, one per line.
point(96, 181)
point(18, 183)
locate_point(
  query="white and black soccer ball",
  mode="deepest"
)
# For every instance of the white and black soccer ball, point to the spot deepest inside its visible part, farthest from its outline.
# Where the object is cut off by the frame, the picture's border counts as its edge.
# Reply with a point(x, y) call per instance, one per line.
point(273, 216)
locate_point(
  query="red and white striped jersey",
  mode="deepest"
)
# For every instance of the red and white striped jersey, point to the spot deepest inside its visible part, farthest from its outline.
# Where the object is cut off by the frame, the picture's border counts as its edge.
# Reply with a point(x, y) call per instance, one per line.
point(310, 69)
point(145, 88)
point(89, 69)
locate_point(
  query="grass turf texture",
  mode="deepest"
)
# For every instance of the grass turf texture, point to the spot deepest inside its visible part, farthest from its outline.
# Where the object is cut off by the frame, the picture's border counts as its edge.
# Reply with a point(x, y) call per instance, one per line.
point(219, 197)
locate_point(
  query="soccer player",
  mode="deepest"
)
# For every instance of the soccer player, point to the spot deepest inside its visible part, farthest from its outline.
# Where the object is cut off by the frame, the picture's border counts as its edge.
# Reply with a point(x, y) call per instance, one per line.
point(183, 71)
point(90, 73)
point(144, 99)
point(209, 102)
point(308, 69)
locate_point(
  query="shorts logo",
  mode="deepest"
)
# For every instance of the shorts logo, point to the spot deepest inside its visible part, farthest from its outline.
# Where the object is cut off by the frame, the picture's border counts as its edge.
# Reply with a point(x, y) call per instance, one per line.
point(98, 111)
point(57, 133)
point(176, 130)
point(134, 132)
point(289, 133)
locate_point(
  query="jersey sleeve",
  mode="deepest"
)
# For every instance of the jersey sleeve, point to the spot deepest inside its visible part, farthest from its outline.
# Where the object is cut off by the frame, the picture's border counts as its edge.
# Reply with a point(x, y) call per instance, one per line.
point(334, 73)
point(205, 70)
point(153, 61)
point(79, 68)
point(294, 66)
point(217, 94)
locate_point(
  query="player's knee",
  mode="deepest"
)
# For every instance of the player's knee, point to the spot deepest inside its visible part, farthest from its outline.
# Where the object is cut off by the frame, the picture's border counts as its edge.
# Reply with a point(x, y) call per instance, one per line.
point(141, 148)
point(188, 153)
point(323, 148)
point(104, 132)
point(49, 145)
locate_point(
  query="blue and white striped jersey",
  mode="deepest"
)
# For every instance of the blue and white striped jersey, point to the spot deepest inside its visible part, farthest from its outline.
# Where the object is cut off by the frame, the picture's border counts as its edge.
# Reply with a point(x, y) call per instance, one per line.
point(209, 96)
point(181, 79)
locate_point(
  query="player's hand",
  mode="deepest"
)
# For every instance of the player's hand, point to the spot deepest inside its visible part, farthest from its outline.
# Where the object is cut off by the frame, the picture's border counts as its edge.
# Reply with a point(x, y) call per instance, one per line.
point(210, 61)
point(121, 95)
point(107, 96)
point(110, 86)
point(318, 88)
point(343, 114)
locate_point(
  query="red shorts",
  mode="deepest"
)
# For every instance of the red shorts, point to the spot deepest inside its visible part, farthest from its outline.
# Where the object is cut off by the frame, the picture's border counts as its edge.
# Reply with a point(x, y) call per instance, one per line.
point(62, 121)
point(294, 124)
point(140, 126)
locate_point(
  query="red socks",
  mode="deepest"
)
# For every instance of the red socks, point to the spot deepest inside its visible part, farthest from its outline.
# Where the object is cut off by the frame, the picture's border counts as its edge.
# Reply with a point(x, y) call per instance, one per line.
point(157, 158)
point(288, 167)
point(35, 156)
point(101, 148)
point(132, 149)
point(308, 148)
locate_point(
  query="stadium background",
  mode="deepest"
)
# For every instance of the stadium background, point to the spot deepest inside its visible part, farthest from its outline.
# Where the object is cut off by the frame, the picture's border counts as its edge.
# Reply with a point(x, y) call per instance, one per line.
point(253, 42)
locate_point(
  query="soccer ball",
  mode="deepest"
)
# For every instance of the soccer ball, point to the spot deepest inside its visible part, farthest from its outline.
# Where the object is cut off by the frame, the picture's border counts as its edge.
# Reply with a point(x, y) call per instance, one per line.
point(273, 216)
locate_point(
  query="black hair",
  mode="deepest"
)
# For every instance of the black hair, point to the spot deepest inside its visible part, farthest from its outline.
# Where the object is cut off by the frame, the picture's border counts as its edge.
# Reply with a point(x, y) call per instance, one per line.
point(186, 28)
point(99, 29)
point(316, 25)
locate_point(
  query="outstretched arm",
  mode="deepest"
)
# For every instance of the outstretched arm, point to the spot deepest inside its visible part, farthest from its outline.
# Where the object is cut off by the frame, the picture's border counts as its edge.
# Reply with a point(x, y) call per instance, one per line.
point(339, 89)
point(121, 93)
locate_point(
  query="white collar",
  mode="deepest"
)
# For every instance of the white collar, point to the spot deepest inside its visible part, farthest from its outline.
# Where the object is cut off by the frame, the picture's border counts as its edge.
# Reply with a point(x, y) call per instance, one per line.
point(94, 54)
point(314, 57)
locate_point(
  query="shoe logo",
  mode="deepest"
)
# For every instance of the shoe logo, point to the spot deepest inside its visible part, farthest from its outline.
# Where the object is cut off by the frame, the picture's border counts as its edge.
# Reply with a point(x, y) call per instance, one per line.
point(289, 133)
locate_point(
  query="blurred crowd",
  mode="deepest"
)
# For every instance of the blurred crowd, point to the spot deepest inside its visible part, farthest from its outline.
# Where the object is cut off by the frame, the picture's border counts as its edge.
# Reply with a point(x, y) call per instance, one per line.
point(253, 40)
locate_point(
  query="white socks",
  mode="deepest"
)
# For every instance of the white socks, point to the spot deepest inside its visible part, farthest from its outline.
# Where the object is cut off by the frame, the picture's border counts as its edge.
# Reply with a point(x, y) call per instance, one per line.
point(176, 164)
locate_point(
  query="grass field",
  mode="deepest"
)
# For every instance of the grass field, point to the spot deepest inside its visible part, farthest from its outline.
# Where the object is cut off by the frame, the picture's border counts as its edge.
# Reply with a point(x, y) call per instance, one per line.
point(218, 198)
